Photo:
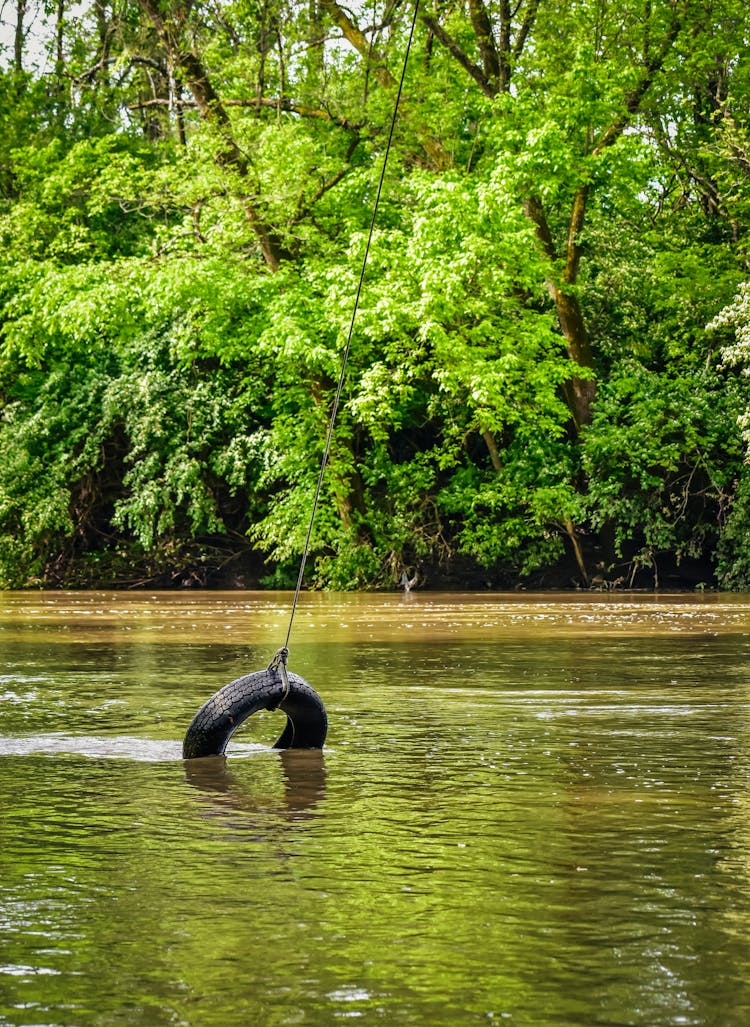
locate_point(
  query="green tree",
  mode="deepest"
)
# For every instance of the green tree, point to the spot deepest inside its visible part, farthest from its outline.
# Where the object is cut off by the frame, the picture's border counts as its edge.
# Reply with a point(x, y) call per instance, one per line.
point(185, 192)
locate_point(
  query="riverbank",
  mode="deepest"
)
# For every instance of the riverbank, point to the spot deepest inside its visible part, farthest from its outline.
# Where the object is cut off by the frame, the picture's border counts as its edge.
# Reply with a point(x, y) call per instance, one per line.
point(214, 569)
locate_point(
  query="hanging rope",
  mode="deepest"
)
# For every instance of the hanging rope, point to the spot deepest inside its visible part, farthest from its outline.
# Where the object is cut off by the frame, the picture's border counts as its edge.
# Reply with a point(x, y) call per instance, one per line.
point(280, 658)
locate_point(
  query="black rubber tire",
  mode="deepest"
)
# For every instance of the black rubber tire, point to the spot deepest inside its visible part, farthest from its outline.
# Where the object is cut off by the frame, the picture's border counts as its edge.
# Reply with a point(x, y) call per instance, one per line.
point(219, 717)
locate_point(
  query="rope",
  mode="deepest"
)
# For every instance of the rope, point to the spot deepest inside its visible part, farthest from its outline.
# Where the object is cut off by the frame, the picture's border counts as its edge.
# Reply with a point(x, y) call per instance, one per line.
point(347, 347)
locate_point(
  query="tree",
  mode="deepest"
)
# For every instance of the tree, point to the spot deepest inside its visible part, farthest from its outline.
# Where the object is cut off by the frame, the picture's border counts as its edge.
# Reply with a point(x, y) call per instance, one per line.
point(181, 228)
point(574, 106)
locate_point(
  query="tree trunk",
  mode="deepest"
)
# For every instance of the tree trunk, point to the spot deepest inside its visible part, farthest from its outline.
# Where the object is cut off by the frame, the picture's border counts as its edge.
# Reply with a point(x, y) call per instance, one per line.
point(19, 36)
point(578, 552)
point(579, 392)
point(212, 110)
point(104, 31)
point(491, 444)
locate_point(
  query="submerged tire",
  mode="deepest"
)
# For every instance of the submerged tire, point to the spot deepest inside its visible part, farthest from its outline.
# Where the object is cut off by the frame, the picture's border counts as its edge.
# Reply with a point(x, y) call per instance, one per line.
point(219, 717)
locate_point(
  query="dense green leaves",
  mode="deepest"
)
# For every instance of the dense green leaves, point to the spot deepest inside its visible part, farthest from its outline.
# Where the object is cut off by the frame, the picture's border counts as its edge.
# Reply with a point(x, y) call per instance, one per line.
point(662, 457)
point(185, 198)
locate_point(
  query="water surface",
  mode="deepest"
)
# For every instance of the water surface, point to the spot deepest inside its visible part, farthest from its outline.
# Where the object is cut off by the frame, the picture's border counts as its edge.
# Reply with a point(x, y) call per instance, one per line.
point(531, 809)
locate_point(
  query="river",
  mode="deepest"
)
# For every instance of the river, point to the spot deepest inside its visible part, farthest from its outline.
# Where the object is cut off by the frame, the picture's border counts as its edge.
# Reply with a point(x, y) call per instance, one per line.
point(531, 809)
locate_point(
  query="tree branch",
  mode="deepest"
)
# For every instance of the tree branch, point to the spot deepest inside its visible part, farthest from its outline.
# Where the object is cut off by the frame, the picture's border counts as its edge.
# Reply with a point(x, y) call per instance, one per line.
point(354, 35)
point(526, 26)
point(534, 211)
point(432, 146)
point(303, 209)
point(575, 225)
point(482, 25)
point(455, 50)
point(282, 103)
point(634, 98)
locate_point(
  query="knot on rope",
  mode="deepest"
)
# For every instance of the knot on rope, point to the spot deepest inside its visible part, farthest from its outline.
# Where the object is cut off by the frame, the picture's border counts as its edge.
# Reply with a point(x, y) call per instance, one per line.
point(278, 663)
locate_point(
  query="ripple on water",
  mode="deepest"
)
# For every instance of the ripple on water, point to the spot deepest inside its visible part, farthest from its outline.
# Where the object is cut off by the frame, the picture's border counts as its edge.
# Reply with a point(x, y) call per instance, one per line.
point(518, 789)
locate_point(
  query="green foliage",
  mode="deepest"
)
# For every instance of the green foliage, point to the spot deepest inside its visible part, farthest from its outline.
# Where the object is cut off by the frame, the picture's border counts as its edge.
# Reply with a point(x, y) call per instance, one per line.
point(661, 457)
point(50, 450)
point(733, 554)
point(184, 208)
point(118, 427)
point(733, 549)
point(516, 516)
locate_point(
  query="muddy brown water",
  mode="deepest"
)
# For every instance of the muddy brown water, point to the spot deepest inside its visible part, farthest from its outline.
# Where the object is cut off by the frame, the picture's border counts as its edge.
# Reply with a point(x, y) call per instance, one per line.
point(531, 809)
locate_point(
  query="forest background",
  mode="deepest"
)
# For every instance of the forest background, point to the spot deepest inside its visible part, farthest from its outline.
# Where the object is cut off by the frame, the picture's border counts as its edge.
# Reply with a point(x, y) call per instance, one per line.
point(548, 382)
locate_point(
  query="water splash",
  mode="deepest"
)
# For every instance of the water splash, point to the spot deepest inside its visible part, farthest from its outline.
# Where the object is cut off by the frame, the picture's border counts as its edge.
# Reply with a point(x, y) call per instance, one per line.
point(118, 747)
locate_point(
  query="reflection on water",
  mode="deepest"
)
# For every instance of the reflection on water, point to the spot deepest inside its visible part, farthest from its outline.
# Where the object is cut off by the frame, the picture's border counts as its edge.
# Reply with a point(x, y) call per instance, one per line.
point(531, 809)
point(304, 772)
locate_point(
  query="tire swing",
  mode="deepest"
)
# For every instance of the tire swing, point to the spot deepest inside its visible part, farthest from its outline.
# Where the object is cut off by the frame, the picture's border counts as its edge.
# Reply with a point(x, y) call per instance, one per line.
point(271, 689)
point(276, 687)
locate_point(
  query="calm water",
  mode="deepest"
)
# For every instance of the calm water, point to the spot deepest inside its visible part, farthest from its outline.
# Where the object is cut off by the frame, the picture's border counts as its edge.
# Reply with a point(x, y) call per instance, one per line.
point(531, 810)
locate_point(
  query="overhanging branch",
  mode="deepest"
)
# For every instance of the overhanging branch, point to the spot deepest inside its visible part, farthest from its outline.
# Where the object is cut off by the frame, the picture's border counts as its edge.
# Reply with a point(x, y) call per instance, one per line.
point(283, 103)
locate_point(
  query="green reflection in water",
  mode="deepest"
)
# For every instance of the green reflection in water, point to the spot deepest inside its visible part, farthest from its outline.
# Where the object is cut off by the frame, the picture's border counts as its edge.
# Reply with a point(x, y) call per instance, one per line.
point(535, 827)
